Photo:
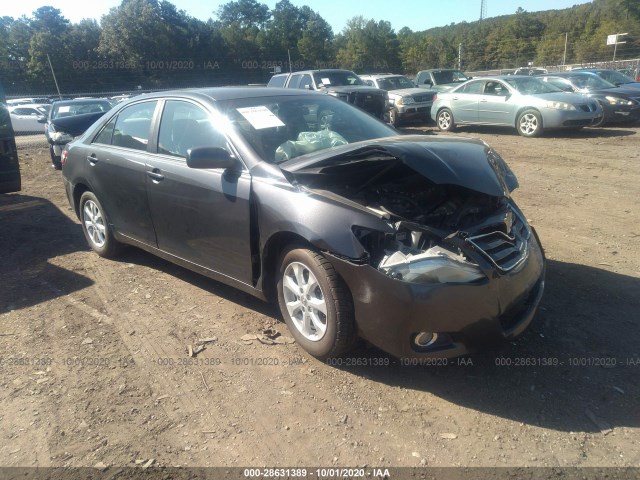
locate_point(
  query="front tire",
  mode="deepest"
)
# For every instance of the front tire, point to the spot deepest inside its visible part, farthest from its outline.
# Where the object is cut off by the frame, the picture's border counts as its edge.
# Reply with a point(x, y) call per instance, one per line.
point(56, 161)
point(394, 118)
point(96, 227)
point(529, 123)
point(444, 120)
point(315, 303)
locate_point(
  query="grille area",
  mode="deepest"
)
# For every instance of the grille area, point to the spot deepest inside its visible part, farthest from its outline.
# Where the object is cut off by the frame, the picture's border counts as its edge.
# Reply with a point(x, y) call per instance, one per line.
point(505, 248)
point(369, 102)
point(423, 98)
point(589, 107)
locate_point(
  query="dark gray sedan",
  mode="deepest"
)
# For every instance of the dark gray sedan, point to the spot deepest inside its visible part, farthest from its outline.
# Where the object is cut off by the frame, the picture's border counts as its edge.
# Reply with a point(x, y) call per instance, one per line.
point(409, 242)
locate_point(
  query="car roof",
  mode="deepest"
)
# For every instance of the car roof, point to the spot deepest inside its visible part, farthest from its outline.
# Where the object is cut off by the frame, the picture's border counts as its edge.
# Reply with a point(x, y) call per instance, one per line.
point(28, 105)
point(381, 75)
point(226, 93)
point(83, 101)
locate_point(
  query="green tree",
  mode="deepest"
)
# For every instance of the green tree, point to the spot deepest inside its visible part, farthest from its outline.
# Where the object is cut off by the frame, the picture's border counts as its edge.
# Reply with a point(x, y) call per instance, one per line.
point(369, 45)
point(316, 44)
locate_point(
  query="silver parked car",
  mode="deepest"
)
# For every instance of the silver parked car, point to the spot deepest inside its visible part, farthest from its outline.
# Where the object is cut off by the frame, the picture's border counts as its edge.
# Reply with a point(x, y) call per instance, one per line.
point(526, 103)
point(407, 101)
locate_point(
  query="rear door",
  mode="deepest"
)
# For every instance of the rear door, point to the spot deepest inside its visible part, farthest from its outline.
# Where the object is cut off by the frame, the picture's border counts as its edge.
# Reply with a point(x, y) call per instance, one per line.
point(199, 215)
point(116, 167)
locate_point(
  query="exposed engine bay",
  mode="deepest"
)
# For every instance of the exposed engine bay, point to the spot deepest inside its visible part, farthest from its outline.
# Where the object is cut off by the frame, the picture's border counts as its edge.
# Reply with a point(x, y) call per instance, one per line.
point(431, 221)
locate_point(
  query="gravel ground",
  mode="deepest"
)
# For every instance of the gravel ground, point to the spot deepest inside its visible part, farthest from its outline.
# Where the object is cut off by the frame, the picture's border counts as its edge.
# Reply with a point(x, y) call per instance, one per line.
point(94, 365)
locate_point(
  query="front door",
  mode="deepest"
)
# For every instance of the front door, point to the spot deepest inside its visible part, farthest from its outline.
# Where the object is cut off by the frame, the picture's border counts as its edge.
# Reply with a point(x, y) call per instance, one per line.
point(199, 215)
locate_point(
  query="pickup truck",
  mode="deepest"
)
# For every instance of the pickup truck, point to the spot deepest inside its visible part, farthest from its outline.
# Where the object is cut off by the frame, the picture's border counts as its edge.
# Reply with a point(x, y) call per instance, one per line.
point(440, 79)
point(343, 84)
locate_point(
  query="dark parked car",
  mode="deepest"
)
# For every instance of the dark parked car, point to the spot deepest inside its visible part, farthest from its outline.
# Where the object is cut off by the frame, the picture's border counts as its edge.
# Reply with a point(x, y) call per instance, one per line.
point(613, 76)
point(530, 71)
point(68, 119)
point(342, 84)
point(10, 180)
point(618, 104)
point(410, 242)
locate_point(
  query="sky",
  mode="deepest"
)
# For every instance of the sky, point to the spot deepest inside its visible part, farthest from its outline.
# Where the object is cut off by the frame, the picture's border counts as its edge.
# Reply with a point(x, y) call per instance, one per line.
point(416, 14)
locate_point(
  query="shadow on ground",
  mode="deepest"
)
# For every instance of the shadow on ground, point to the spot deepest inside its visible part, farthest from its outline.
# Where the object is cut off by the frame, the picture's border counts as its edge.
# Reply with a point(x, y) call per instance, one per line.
point(33, 231)
point(581, 358)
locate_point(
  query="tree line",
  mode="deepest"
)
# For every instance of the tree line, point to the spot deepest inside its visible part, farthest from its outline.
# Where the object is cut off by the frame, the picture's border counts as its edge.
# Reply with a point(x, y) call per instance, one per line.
point(150, 44)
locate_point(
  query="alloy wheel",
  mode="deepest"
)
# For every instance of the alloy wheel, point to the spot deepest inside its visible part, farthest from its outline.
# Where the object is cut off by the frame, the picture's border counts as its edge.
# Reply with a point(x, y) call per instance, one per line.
point(94, 223)
point(305, 301)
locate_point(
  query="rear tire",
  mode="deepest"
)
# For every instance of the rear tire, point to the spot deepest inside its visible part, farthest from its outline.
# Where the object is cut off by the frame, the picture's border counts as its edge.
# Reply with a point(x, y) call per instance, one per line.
point(315, 303)
point(96, 227)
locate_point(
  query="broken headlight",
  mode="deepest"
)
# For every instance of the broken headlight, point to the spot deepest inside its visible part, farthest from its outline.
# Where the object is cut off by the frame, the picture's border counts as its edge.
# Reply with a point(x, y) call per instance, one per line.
point(435, 265)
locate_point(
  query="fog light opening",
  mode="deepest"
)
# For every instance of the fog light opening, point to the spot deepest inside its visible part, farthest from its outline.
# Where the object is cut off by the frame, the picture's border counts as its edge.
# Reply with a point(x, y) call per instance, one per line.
point(425, 339)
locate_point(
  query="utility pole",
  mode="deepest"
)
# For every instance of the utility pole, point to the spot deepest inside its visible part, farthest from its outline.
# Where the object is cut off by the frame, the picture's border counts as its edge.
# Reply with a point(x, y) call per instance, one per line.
point(54, 76)
point(460, 56)
point(564, 57)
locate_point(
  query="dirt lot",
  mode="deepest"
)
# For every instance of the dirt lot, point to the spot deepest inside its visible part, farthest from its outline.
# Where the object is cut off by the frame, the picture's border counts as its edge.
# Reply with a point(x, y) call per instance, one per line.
point(94, 365)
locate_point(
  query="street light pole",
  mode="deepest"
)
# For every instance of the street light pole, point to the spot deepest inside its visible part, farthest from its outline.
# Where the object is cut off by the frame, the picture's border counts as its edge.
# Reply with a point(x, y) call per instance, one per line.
point(564, 57)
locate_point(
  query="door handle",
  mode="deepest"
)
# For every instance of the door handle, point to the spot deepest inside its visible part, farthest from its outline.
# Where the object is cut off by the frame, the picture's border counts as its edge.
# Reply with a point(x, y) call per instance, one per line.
point(484, 100)
point(155, 175)
point(92, 159)
point(455, 98)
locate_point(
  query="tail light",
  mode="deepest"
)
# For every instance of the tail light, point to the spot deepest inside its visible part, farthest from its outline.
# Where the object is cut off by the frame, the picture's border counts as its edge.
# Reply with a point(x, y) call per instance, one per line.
point(435, 97)
point(63, 157)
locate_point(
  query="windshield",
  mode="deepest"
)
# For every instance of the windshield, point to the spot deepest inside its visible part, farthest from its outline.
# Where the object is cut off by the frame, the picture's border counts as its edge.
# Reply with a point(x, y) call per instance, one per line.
point(615, 77)
point(68, 109)
point(280, 128)
point(449, 76)
point(395, 83)
point(531, 86)
point(590, 82)
point(336, 78)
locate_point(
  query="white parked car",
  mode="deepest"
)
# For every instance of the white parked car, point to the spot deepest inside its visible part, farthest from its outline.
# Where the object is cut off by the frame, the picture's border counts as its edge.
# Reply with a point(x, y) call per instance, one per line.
point(28, 118)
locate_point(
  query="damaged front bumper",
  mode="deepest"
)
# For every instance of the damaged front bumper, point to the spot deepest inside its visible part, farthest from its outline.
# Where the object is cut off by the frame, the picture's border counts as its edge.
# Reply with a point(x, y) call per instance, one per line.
point(466, 317)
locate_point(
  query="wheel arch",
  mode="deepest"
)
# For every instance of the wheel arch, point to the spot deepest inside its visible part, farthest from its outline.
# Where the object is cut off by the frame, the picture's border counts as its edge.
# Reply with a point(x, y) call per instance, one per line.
point(271, 253)
point(78, 189)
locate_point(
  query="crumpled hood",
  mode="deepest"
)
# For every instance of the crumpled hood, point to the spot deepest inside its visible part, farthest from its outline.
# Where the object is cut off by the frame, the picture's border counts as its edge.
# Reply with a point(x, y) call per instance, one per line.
point(465, 162)
point(76, 124)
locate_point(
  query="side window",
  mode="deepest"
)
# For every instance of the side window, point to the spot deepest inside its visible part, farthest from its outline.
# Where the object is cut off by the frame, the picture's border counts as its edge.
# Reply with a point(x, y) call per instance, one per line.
point(472, 88)
point(369, 82)
point(132, 126)
point(184, 126)
point(492, 88)
point(295, 81)
point(106, 133)
point(306, 81)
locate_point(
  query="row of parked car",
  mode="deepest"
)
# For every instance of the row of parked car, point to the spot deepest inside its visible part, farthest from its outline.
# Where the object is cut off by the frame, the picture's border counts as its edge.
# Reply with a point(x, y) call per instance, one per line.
point(531, 104)
point(61, 120)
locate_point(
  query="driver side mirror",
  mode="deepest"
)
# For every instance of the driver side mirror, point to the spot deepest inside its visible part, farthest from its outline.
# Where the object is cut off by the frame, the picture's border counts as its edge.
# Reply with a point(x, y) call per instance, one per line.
point(42, 119)
point(210, 157)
